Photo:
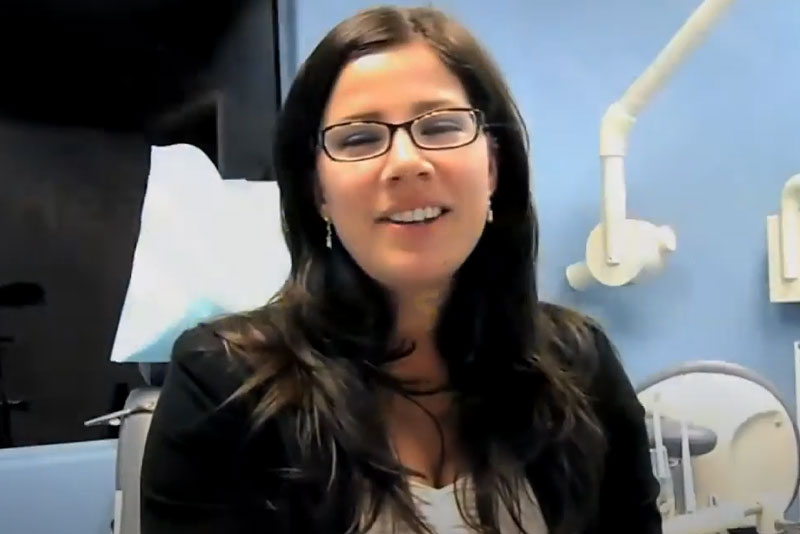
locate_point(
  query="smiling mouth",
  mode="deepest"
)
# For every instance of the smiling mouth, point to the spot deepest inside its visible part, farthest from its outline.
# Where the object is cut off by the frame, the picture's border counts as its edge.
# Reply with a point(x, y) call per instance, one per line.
point(417, 223)
point(416, 217)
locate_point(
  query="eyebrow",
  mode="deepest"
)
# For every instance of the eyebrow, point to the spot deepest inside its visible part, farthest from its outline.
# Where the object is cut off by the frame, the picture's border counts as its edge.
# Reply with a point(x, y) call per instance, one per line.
point(418, 108)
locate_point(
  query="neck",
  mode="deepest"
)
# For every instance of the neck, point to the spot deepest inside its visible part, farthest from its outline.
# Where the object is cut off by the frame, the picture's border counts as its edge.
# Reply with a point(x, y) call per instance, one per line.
point(418, 312)
point(417, 316)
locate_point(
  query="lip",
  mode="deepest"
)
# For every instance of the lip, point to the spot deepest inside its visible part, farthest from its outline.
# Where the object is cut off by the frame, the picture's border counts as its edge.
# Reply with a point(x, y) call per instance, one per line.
point(414, 229)
point(384, 217)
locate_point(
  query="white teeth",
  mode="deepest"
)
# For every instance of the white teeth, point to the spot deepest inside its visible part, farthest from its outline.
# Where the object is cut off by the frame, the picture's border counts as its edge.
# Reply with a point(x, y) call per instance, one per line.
point(417, 215)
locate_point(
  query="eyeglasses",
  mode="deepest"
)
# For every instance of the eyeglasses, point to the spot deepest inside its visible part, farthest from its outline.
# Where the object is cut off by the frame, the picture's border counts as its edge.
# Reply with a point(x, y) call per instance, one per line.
point(436, 130)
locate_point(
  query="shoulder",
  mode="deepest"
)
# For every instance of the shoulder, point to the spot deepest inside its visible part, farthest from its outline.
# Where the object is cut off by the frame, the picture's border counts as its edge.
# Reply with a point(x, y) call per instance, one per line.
point(202, 353)
point(207, 396)
point(202, 370)
point(201, 434)
point(206, 466)
point(628, 495)
point(585, 349)
point(576, 339)
point(195, 402)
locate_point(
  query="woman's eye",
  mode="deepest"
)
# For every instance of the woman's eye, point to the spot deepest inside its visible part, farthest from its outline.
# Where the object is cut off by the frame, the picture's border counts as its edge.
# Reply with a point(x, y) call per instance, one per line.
point(358, 139)
point(439, 127)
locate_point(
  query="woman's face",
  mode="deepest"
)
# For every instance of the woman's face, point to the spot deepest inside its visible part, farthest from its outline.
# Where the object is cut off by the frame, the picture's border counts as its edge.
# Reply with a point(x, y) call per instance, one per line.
point(369, 202)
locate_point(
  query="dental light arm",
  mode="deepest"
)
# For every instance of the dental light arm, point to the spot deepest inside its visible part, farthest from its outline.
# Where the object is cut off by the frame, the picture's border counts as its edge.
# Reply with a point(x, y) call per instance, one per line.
point(621, 115)
point(619, 249)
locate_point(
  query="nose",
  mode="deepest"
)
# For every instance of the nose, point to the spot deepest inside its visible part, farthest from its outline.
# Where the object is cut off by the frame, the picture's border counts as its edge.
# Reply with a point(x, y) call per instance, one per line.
point(404, 159)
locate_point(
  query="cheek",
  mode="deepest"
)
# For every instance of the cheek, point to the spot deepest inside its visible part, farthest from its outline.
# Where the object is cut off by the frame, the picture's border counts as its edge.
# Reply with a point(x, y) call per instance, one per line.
point(469, 180)
point(347, 193)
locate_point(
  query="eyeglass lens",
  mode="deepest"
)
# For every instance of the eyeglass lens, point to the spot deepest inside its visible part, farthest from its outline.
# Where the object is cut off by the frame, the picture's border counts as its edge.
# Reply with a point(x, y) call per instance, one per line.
point(437, 130)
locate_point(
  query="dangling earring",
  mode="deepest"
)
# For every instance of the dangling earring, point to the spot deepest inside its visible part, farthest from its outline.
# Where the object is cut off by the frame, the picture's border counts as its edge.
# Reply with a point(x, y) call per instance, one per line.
point(490, 214)
point(328, 235)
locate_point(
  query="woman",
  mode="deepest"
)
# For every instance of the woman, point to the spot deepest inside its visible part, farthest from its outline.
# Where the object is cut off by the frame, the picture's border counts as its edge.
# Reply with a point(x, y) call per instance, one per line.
point(406, 375)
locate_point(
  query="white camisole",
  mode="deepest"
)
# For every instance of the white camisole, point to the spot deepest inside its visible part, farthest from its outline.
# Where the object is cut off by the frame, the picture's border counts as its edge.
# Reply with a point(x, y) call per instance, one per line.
point(438, 507)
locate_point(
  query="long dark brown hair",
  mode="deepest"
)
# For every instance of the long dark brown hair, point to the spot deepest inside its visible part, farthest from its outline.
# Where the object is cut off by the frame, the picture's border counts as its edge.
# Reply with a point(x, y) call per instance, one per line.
point(318, 348)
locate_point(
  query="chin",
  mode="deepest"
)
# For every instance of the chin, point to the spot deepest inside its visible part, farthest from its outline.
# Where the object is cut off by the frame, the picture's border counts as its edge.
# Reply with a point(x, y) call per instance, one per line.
point(417, 274)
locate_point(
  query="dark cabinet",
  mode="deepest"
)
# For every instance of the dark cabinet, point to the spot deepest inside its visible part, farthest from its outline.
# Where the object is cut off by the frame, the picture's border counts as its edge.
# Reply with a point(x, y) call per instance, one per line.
point(87, 88)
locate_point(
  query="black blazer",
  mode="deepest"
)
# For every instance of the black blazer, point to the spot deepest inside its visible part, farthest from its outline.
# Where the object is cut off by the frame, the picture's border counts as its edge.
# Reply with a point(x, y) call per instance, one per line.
point(205, 472)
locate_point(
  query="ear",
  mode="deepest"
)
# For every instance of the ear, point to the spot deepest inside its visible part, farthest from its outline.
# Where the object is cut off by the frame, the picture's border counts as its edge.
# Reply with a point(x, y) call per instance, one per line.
point(319, 199)
point(492, 164)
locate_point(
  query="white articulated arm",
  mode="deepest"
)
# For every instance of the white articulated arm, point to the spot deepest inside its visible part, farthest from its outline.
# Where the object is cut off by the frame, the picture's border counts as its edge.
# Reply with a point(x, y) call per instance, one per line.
point(624, 243)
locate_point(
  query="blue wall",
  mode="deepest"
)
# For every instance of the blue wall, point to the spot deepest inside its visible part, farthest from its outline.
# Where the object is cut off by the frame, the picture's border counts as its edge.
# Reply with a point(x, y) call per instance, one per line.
point(708, 156)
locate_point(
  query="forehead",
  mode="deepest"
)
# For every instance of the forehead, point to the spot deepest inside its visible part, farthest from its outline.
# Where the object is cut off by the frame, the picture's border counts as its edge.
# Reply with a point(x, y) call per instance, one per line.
point(393, 85)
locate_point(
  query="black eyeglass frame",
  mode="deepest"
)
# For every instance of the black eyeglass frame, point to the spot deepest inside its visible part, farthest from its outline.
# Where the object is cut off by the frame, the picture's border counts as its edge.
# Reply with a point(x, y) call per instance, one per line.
point(477, 116)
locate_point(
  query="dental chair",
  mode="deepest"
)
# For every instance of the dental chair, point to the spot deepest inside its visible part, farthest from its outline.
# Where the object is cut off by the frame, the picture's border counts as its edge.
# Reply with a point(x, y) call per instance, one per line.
point(673, 446)
point(724, 448)
point(134, 422)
